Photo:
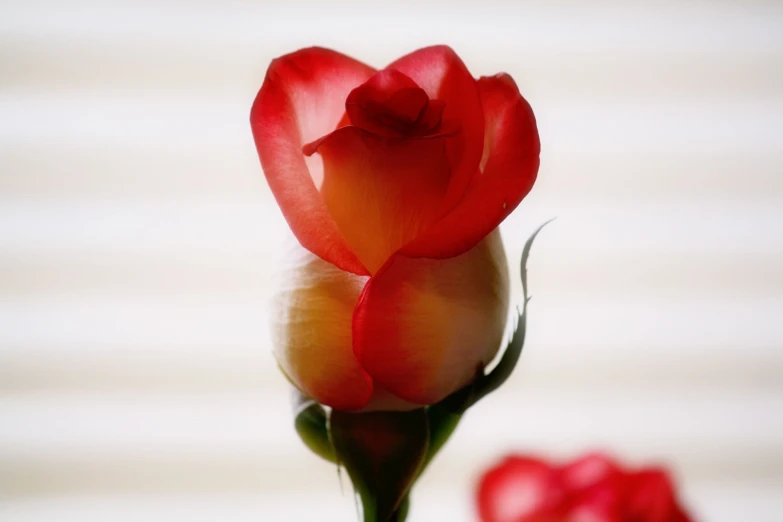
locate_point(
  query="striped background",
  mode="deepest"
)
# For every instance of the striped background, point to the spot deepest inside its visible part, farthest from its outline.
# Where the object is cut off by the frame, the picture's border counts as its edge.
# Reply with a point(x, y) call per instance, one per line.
point(138, 244)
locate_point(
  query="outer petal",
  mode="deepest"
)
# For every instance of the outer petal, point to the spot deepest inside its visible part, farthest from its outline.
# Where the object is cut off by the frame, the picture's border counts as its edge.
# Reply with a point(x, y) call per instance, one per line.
point(594, 487)
point(651, 497)
point(382, 193)
point(423, 327)
point(312, 331)
point(302, 98)
point(440, 72)
point(520, 489)
point(509, 169)
point(590, 470)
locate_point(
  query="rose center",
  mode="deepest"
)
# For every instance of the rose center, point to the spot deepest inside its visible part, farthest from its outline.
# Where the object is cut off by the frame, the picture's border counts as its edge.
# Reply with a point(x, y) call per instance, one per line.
point(391, 104)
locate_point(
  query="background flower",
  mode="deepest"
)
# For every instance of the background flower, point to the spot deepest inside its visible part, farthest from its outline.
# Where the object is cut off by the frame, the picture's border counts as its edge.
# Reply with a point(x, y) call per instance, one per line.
point(593, 488)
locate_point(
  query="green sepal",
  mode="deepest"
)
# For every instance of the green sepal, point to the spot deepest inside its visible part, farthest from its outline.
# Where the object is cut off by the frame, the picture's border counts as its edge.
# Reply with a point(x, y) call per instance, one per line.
point(445, 415)
point(310, 422)
point(382, 453)
point(494, 379)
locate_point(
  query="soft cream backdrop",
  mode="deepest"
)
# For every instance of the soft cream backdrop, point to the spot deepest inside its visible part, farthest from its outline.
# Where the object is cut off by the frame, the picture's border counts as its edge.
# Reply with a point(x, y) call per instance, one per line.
point(137, 242)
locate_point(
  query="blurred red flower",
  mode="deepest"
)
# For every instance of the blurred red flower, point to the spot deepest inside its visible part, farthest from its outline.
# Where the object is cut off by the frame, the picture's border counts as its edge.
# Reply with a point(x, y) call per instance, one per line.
point(593, 488)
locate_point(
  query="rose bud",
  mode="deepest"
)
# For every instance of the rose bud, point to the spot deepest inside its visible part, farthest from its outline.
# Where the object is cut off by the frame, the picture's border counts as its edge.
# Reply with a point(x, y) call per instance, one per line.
point(593, 488)
point(394, 183)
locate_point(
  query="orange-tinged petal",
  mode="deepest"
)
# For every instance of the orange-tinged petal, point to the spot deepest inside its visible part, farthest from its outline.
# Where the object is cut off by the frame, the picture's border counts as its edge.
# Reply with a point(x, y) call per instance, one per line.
point(509, 169)
point(312, 331)
point(423, 327)
point(443, 76)
point(382, 192)
point(303, 98)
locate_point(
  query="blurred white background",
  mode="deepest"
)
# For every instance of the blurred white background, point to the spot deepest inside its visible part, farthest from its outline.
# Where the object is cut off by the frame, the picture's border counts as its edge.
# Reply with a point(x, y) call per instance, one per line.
point(138, 241)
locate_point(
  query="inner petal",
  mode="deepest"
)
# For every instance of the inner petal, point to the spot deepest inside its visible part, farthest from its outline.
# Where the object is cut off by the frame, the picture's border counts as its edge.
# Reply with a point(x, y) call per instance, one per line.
point(398, 113)
point(382, 193)
point(391, 104)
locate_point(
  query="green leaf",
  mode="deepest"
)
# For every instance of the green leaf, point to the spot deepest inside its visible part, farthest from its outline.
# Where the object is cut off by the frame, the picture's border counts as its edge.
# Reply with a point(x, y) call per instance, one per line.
point(310, 422)
point(382, 453)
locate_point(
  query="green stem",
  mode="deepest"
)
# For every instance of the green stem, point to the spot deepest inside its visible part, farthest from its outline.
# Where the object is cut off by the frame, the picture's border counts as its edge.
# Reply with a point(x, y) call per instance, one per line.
point(402, 512)
point(371, 515)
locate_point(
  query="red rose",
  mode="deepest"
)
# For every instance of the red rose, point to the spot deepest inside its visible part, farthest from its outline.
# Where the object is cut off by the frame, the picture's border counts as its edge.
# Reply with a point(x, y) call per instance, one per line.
point(590, 489)
point(394, 182)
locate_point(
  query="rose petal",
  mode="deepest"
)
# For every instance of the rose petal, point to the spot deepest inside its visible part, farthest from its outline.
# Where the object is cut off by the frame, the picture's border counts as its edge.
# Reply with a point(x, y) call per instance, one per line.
point(302, 98)
point(520, 489)
point(387, 104)
point(509, 169)
point(423, 327)
point(594, 511)
point(589, 470)
point(382, 193)
point(312, 331)
point(651, 497)
point(443, 76)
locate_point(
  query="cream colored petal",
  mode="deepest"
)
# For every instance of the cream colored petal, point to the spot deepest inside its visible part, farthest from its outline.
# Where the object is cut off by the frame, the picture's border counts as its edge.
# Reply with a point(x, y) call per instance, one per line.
point(312, 331)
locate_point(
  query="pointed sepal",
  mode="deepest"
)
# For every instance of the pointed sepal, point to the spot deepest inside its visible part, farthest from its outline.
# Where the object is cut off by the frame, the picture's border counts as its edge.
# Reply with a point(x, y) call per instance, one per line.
point(310, 422)
point(494, 379)
point(446, 415)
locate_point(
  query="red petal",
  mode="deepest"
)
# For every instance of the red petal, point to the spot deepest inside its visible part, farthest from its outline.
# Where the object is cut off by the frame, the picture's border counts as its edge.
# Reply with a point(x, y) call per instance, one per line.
point(387, 104)
point(381, 192)
point(509, 169)
point(440, 72)
point(312, 331)
point(520, 489)
point(423, 327)
point(302, 98)
point(651, 497)
point(588, 471)
point(595, 510)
